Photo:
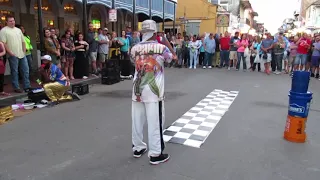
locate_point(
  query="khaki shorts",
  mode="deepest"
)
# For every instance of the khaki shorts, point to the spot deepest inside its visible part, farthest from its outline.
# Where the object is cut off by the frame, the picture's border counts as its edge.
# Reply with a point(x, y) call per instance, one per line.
point(291, 59)
point(233, 55)
point(103, 57)
point(93, 57)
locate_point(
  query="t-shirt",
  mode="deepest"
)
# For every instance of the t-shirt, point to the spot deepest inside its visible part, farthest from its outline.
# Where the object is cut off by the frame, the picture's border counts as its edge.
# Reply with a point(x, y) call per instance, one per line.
point(148, 81)
point(13, 37)
point(232, 41)
point(303, 46)
point(225, 43)
point(126, 44)
point(194, 46)
point(93, 43)
point(103, 48)
point(315, 51)
point(58, 76)
point(293, 49)
point(242, 45)
point(266, 43)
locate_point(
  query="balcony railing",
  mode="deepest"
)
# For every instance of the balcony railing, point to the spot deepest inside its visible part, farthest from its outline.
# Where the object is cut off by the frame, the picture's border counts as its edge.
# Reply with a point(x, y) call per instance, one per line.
point(126, 1)
point(142, 3)
point(168, 7)
point(157, 5)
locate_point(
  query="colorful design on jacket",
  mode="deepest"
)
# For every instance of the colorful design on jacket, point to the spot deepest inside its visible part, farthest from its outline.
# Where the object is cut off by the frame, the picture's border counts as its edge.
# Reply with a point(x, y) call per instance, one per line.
point(148, 83)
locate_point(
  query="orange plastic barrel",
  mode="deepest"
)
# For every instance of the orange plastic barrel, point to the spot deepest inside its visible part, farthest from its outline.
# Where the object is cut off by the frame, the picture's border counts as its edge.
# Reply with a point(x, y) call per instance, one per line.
point(295, 129)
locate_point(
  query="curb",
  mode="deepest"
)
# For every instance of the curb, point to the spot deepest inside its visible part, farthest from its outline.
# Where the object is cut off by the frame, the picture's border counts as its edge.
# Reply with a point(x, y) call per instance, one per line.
point(12, 99)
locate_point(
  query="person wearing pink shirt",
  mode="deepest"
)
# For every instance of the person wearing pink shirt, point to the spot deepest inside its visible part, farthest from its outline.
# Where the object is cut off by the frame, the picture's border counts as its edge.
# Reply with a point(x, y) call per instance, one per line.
point(242, 45)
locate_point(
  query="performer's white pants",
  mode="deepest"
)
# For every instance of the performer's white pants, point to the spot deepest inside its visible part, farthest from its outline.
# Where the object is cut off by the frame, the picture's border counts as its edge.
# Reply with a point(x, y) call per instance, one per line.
point(153, 112)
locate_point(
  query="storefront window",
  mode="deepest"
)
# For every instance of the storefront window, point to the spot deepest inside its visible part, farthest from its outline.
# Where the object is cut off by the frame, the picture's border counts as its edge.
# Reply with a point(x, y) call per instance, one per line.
point(96, 23)
point(5, 2)
point(45, 6)
point(96, 18)
point(50, 23)
point(3, 15)
point(69, 9)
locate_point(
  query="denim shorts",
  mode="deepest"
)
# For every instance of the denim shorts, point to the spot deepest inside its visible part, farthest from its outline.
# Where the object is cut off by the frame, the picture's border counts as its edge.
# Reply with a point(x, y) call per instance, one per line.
point(300, 59)
point(315, 61)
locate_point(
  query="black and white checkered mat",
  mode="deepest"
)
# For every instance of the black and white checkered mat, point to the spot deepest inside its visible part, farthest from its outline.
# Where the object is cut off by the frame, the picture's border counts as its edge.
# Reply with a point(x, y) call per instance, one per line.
point(193, 128)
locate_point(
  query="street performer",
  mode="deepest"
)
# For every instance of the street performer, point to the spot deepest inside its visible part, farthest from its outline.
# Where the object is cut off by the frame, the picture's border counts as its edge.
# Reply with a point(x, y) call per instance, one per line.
point(148, 93)
point(55, 83)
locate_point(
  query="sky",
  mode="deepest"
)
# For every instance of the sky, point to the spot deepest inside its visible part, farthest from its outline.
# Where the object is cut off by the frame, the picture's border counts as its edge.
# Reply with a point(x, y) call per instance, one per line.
point(273, 12)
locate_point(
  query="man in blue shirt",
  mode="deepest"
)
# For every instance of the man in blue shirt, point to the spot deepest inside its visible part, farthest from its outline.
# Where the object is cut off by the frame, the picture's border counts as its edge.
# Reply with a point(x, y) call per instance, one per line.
point(210, 47)
point(55, 83)
point(266, 47)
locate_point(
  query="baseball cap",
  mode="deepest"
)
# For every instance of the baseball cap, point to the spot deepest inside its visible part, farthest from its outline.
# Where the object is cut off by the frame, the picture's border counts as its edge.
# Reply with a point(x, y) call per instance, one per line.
point(46, 57)
point(149, 27)
point(105, 29)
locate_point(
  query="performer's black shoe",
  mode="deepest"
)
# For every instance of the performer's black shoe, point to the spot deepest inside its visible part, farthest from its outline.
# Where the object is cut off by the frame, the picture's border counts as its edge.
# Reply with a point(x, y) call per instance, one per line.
point(138, 154)
point(75, 96)
point(160, 159)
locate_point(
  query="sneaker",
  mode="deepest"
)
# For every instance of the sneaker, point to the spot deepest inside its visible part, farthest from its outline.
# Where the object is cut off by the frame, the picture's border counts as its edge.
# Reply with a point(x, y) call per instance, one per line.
point(138, 154)
point(160, 159)
point(190, 67)
point(229, 68)
point(18, 91)
point(277, 72)
point(75, 96)
point(204, 67)
point(84, 77)
point(53, 103)
point(312, 74)
point(195, 67)
point(27, 90)
point(210, 67)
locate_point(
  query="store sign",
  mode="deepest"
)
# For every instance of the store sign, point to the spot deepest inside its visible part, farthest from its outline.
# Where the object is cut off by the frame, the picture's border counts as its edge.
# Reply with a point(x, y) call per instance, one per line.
point(113, 15)
point(223, 20)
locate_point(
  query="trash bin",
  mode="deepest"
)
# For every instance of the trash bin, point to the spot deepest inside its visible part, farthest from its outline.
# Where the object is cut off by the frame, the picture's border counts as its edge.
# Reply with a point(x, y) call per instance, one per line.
point(300, 81)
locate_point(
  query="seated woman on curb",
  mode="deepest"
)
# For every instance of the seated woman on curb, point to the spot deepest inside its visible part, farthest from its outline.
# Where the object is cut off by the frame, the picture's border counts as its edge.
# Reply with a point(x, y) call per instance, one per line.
point(54, 82)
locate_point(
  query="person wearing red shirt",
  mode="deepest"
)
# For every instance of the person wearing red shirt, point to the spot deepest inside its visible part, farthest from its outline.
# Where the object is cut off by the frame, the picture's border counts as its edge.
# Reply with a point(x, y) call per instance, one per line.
point(224, 50)
point(304, 44)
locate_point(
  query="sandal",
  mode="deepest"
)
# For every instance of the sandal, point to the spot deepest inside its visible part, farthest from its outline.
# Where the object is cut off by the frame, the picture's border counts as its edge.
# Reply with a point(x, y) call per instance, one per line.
point(4, 94)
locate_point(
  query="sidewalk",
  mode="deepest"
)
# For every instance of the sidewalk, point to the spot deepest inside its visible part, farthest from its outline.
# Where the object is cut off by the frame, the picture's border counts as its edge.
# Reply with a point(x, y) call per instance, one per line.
point(8, 100)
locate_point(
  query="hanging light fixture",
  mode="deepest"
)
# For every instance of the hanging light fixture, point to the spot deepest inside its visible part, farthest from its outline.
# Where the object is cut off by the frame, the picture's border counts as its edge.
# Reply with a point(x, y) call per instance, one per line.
point(69, 8)
point(45, 5)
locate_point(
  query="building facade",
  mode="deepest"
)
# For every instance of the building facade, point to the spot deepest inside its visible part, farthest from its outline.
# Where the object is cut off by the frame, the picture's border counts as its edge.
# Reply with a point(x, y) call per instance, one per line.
point(194, 17)
point(313, 16)
point(63, 14)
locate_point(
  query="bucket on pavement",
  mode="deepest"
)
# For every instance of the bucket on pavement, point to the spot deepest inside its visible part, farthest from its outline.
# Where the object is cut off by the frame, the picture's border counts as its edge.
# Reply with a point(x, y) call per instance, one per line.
point(300, 81)
point(295, 129)
point(299, 104)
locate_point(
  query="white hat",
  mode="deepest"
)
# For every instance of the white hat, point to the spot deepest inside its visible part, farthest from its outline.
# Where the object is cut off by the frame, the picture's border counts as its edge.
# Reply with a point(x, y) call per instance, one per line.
point(105, 29)
point(149, 27)
point(46, 57)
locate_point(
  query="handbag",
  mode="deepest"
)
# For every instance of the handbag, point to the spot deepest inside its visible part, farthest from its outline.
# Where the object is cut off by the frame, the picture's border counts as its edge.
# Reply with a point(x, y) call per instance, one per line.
point(2, 66)
point(246, 52)
point(257, 59)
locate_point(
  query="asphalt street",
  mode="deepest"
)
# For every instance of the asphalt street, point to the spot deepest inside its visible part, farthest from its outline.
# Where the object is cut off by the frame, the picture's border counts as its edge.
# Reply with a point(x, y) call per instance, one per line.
point(91, 139)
